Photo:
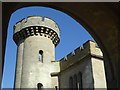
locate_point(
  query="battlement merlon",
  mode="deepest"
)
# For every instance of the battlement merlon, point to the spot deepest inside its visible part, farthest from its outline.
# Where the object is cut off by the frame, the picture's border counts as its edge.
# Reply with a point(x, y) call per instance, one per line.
point(37, 21)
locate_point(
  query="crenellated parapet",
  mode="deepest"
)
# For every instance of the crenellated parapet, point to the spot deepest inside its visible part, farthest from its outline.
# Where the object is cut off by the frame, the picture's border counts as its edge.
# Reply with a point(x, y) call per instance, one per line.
point(36, 25)
point(89, 48)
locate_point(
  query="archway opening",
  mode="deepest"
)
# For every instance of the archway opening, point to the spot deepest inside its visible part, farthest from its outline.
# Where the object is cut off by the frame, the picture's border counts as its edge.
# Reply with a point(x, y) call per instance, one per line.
point(70, 35)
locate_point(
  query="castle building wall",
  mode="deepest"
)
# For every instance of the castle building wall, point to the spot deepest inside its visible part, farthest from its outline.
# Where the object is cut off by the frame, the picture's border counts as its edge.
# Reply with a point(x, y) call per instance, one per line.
point(35, 71)
point(80, 67)
point(88, 62)
point(19, 65)
point(98, 73)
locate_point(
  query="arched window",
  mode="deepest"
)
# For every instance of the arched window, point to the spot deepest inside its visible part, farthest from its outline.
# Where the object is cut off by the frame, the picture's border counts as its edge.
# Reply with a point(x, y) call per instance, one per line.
point(71, 83)
point(39, 86)
point(41, 55)
point(80, 80)
point(56, 87)
point(75, 82)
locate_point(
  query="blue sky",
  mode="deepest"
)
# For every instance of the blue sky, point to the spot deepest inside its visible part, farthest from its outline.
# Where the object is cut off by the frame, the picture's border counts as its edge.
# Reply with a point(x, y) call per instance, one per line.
point(72, 36)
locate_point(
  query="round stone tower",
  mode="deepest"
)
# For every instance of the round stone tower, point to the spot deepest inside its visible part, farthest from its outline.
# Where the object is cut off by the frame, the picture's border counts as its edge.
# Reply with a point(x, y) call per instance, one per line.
point(36, 38)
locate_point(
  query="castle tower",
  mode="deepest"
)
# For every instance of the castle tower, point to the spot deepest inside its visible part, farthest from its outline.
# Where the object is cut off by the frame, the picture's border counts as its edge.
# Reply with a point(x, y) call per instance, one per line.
point(36, 38)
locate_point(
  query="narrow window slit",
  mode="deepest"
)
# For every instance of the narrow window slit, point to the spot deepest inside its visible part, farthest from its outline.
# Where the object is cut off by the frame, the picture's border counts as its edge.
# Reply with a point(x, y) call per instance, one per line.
point(40, 55)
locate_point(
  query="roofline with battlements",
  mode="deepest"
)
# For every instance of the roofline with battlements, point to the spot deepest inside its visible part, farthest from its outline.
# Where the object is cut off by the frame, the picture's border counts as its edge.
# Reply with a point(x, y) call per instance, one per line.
point(89, 49)
point(36, 25)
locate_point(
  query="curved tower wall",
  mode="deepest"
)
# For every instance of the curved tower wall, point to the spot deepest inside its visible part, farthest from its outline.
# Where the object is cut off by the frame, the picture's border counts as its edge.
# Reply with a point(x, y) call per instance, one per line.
point(32, 35)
